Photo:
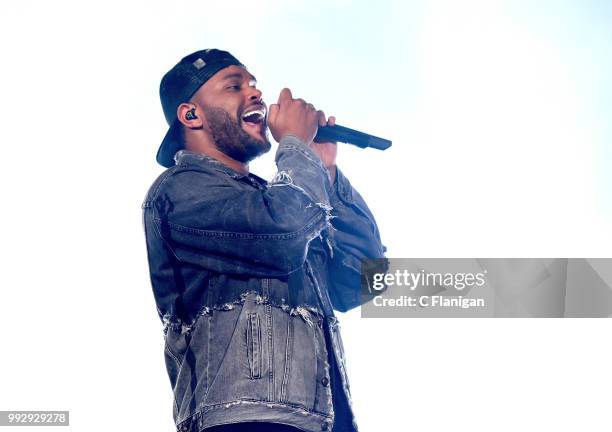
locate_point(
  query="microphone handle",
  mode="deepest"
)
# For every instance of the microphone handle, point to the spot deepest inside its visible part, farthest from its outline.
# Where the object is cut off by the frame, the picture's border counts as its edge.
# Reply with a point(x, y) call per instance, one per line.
point(351, 136)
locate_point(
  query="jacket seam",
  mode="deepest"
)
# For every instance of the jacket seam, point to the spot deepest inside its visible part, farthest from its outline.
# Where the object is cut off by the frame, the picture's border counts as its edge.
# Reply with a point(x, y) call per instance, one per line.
point(242, 235)
point(205, 408)
point(173, 354)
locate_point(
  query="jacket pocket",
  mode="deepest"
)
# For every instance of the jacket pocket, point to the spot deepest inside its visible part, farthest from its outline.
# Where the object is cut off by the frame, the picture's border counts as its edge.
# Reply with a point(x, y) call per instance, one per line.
point(253, 342)
point(303, 359)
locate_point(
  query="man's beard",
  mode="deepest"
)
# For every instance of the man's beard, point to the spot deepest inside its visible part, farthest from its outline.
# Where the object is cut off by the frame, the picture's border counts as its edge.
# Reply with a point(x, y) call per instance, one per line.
point(231, 139)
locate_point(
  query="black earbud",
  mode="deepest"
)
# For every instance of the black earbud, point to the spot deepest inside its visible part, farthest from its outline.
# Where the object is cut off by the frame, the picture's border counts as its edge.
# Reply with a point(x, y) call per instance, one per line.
point(190, 115)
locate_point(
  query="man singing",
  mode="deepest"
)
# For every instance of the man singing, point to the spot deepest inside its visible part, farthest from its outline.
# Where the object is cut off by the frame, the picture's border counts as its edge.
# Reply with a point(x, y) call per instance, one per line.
point(247, 274)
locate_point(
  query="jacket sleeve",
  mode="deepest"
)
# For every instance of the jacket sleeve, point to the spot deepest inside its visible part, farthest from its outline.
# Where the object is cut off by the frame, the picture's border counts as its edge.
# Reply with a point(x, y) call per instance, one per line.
point(206, 220)
point(354, 237)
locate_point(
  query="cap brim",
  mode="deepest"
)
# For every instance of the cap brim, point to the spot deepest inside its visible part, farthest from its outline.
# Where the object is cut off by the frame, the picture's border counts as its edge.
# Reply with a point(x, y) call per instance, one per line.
point(172, 143)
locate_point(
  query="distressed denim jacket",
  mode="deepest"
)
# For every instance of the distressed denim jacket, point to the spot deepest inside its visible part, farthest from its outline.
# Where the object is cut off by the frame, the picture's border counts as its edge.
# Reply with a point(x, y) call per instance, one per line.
point(246, 277)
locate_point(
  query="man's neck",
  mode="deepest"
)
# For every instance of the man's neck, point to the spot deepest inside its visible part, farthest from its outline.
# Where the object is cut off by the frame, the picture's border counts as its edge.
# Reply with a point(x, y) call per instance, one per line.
point(237, 166)
point(242, 168)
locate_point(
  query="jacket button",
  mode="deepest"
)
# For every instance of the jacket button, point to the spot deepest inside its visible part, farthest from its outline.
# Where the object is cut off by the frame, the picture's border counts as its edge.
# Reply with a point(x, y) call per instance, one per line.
point(325, 426)
point(325, 381)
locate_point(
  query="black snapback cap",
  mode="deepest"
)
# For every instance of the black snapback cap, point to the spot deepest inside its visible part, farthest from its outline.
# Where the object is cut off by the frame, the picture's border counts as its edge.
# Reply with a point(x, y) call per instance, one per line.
point(178, 85)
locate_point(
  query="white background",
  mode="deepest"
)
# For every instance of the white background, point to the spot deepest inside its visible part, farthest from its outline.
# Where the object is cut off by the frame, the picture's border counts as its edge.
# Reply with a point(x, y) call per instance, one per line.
point(500, 117)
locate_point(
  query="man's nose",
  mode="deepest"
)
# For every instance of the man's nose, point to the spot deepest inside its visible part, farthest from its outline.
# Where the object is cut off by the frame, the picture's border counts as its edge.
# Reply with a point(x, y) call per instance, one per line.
point(254, 94)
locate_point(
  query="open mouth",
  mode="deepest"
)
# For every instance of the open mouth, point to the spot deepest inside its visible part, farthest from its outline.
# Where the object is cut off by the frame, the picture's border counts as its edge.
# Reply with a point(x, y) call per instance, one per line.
point(255, 117)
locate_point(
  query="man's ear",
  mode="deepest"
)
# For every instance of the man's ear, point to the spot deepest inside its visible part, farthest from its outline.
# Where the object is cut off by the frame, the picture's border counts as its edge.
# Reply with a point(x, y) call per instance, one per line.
point(189, 115)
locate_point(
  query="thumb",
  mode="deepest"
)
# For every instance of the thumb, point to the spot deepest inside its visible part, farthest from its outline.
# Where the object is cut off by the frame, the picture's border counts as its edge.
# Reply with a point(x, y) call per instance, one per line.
point(272, 113)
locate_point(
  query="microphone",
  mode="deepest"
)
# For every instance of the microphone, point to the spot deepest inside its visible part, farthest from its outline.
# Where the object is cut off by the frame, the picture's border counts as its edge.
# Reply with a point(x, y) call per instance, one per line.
point(351, 136)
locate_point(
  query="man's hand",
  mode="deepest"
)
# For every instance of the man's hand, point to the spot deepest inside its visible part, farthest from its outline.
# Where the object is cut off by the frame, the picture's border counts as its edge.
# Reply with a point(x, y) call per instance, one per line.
point(296, 117)
point(292, 117)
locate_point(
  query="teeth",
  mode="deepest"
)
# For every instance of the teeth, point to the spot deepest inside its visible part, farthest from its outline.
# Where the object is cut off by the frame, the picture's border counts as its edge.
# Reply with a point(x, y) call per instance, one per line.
point(261, 113)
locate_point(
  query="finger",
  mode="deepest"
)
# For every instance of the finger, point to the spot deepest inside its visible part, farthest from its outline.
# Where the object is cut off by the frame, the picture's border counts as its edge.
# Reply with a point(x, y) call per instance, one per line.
point(272, 113)
point(321, 115)
point(284, 96)
point(331, 121)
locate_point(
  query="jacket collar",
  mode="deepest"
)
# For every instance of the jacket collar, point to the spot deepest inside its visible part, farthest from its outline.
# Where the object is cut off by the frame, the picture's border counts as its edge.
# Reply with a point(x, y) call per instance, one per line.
point(187, 156)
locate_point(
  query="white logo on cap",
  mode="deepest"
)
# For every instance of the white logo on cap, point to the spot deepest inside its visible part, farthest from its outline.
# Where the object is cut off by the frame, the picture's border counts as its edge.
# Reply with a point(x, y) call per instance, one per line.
point(199, 64)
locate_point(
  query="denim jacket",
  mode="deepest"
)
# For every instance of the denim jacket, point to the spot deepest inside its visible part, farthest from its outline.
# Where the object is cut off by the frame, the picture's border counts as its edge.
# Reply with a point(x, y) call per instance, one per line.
point(246, 277)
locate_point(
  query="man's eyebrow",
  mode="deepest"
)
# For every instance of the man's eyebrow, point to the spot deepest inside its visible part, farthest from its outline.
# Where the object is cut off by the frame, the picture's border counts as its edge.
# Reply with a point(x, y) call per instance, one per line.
point(238, 75)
